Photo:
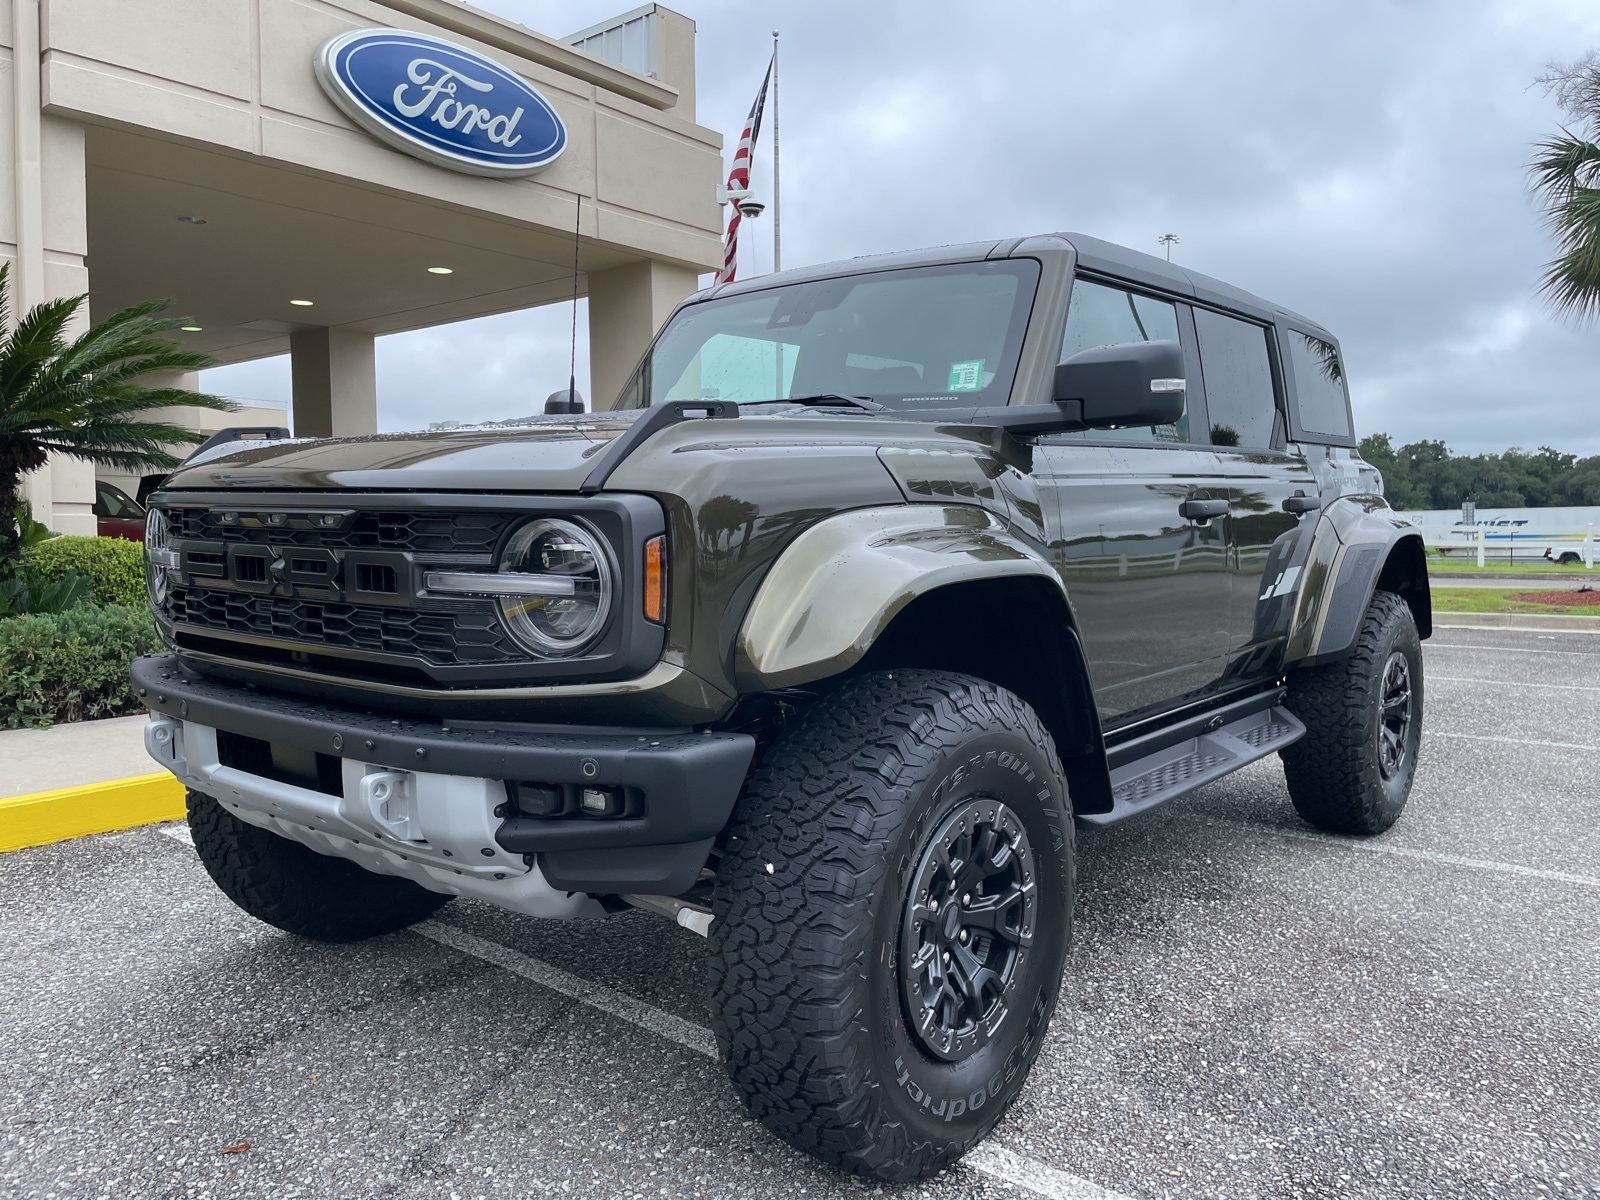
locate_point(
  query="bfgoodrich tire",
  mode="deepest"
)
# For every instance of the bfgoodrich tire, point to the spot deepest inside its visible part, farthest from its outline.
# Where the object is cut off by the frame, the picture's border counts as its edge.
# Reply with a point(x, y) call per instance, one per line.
point(293, 887)
point(893, 912)
point(1352, 771)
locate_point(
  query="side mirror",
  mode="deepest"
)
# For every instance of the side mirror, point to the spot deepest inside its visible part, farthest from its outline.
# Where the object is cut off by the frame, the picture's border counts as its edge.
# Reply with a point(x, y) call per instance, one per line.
point(147, 485)
point(1134, 383)
point(564, 401)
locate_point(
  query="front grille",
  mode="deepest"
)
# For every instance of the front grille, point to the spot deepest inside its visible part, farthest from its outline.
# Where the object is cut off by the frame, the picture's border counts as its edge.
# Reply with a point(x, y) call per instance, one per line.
point(332, 585)
point(420, 532)
point(467, 635)
point(352, 586)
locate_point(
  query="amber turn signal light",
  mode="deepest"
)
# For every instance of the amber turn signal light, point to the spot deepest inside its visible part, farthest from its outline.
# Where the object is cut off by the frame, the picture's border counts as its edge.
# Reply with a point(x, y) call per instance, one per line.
point(655, 580)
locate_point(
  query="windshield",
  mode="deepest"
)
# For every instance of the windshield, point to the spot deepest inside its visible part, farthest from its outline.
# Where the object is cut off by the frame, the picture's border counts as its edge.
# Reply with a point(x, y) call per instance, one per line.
point(937, 337)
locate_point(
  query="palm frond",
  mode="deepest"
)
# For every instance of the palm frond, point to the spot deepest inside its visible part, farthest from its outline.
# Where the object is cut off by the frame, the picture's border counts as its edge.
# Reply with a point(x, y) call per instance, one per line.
point(85, 397)
point(1562, 164)
point(28, 349)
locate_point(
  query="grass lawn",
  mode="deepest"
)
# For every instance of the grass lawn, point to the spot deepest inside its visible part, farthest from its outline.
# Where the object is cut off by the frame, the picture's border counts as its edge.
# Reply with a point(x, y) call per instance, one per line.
point(1532, 566)
point(1498, 600)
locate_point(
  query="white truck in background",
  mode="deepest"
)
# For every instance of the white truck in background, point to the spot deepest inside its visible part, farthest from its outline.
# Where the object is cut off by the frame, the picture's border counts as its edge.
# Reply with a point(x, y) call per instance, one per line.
point(1556, 535)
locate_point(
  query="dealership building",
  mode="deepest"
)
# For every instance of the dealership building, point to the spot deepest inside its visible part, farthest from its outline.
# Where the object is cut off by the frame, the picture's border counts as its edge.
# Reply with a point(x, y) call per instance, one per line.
point(302, 176)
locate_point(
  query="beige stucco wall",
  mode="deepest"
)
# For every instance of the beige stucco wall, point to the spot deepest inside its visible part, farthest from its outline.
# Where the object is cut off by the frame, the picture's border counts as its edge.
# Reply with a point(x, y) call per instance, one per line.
point(239, 78)
point(230, 82)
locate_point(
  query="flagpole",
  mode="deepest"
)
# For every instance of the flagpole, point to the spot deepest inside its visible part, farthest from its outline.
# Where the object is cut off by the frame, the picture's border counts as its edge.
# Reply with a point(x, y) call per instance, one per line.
point(777, 227)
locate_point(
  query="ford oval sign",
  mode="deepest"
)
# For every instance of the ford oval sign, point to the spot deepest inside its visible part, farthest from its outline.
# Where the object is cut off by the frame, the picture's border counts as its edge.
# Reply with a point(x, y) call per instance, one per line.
point(443, 103)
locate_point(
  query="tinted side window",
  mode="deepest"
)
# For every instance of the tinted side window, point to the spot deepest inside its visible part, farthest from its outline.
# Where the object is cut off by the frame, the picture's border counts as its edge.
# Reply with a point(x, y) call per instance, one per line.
point(1319, 387)
point(1108, 316)
point(1238, 370)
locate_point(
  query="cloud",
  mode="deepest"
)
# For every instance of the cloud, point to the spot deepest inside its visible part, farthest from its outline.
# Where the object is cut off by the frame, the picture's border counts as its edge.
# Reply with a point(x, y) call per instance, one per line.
point(1362, 163)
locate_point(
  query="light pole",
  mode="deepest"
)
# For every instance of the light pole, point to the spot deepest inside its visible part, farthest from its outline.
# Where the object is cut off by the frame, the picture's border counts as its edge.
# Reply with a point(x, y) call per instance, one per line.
point(1169, 240)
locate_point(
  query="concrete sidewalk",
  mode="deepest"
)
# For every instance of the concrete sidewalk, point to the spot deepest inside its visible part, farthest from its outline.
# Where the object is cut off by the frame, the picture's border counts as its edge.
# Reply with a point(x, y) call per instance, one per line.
point(81, 752)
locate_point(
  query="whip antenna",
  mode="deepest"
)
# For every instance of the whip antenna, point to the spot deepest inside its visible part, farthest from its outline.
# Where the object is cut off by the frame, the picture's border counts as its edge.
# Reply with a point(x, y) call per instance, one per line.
point(569, 401)
point(572, 364)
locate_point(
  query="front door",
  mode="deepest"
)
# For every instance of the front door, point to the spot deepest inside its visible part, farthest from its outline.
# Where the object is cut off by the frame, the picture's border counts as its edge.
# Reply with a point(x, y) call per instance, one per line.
point(1148, 577)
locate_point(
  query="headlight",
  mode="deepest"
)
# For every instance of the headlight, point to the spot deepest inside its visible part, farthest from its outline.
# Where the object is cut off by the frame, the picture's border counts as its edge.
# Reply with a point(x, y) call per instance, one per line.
point(557, 626)
point(159, 556)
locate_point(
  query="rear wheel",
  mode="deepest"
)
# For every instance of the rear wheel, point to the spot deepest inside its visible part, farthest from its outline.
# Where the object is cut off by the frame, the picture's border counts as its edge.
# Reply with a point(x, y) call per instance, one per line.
point(893, 912)
point(1352, 771)
point(300, 891)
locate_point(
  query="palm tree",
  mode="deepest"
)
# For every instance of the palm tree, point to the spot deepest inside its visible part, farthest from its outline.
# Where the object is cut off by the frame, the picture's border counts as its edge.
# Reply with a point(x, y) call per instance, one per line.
point(1566, 177)
point(83, 398)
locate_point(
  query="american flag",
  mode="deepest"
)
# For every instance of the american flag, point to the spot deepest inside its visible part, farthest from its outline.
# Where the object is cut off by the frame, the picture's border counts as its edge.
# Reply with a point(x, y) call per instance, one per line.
point(739, 179)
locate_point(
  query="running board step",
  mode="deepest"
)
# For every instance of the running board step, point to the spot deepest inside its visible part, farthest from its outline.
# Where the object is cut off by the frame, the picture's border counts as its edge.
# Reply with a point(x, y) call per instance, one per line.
point(1164, 774)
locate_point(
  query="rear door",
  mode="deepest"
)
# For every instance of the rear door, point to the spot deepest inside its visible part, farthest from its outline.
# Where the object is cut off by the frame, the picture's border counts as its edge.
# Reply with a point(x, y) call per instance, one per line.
point(1149, 586)
point(1269, 484)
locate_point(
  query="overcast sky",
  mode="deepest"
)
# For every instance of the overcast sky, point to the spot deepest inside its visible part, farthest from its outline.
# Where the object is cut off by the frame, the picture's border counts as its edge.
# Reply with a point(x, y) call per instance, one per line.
point(1361, 161)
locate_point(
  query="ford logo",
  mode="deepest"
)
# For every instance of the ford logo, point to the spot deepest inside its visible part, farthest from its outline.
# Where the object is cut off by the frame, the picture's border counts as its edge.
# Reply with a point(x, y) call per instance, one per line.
point(440, 102)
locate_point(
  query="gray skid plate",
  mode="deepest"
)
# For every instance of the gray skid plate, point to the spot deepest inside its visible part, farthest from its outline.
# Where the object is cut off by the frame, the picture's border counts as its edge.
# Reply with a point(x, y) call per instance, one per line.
point(1164, 774)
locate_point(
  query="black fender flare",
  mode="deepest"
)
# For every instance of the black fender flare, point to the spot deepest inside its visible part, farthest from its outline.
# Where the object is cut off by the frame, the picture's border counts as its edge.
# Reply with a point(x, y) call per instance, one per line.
point(1360, 545)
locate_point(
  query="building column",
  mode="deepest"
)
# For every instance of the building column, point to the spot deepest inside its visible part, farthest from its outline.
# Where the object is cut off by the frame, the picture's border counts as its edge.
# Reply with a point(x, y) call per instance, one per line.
point(334, 376)
point(626, 307)
point(52, 247)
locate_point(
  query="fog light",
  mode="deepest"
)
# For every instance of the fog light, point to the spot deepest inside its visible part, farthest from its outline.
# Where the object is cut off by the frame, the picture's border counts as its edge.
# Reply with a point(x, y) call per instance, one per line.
point(538, 799)
point(601, 802)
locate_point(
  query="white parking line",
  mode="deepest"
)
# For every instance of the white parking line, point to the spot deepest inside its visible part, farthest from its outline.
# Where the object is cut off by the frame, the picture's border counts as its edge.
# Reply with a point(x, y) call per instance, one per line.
point(987, 1158)
point(1511, 741)
point(1449, 860)
point(1001, 1163)
point(1521, 683)
point(598, 996)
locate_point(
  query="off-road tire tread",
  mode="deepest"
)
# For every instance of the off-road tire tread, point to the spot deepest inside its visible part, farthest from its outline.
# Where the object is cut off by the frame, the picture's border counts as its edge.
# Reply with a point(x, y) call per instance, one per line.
point(807, 851)
point(1332, 772)
point(296, 889)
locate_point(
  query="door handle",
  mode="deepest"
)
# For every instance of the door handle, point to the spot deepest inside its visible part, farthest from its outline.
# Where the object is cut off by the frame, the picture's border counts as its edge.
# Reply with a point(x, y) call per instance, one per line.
point(1202, 510)
point(1302, 503)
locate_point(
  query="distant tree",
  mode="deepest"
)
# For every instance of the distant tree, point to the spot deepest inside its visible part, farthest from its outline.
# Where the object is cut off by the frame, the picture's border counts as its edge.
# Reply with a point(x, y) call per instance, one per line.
point(1378, 449)
point(1566, 177)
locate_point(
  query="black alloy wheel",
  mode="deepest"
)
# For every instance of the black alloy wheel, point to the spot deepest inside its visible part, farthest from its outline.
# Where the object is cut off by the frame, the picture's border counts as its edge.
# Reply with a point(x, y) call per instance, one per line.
point(1394, 715)
point(967, 929)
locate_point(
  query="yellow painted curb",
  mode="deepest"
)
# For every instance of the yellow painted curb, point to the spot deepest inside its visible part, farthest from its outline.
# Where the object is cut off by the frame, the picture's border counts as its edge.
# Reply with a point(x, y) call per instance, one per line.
point(46, 817)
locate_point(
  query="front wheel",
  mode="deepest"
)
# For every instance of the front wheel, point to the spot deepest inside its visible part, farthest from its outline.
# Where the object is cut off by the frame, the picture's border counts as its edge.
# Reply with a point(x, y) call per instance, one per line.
point(300, 891)
point(1352, 771)
point(893, 912)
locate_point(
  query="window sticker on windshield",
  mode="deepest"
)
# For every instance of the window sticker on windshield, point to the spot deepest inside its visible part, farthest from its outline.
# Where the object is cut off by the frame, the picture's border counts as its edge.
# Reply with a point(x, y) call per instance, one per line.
point(966, 376)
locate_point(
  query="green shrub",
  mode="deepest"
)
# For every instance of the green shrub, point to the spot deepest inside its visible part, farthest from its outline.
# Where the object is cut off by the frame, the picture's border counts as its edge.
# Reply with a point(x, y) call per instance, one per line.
point(115, 564)
point(28, 593)
point(71, 666)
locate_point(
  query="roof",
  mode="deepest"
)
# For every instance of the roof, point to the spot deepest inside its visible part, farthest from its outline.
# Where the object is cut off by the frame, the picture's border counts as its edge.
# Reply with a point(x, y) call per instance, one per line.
point(1094, 255)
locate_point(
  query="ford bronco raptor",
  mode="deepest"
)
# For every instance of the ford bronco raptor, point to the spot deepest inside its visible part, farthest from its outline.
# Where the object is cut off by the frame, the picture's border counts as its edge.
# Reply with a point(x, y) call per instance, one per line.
point(876, 580)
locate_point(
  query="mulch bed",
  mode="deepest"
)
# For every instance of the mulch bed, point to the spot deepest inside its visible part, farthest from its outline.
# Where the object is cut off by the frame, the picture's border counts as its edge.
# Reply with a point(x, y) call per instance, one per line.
point(1572, 599)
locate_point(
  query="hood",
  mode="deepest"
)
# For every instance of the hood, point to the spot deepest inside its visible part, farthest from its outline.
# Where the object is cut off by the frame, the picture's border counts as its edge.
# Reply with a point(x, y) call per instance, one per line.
point(541, 454)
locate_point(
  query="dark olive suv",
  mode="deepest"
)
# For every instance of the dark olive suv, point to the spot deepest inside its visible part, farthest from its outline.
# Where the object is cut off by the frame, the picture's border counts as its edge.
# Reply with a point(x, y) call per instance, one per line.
point(878, 577)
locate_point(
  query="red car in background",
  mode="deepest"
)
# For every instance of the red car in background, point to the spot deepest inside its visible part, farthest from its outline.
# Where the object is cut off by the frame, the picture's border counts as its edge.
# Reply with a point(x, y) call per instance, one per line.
point(116, 513)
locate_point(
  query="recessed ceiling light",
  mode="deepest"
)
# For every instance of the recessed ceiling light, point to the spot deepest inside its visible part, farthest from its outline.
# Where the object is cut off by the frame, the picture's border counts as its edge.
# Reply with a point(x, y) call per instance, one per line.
point(441, 270)
point(193, 220)
point(190, 328)
point(302, 303)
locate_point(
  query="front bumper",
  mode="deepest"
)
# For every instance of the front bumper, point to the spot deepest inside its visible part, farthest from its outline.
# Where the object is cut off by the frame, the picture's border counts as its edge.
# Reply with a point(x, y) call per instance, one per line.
point(429, 801)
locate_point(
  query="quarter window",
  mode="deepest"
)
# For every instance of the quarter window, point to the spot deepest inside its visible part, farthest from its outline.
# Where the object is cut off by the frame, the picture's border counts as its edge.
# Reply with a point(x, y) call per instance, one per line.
point(1238, 370)
point(1108, 316)
point(1320, 397)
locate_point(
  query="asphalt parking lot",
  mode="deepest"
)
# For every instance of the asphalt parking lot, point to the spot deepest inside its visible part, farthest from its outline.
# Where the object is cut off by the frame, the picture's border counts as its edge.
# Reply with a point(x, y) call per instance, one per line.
point(1253, 1010)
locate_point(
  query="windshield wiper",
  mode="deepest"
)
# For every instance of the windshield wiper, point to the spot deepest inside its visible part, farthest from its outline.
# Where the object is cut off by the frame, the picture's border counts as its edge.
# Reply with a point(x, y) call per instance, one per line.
point(827, 400)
